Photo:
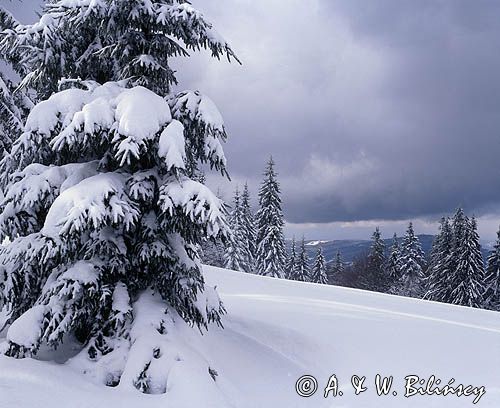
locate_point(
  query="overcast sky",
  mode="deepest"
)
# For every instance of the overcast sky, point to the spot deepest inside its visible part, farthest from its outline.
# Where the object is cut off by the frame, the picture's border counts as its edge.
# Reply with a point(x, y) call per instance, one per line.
point(376, 112)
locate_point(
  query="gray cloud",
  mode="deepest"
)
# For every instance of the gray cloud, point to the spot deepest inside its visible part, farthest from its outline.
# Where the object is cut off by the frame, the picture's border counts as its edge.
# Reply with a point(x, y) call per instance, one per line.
point(373, 110)
point(397, 116)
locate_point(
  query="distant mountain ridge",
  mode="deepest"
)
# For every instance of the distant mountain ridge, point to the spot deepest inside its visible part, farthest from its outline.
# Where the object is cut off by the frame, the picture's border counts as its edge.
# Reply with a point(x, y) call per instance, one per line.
point(350, 249)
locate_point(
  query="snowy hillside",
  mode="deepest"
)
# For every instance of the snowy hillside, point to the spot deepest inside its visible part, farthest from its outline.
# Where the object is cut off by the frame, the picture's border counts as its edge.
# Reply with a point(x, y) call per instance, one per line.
point(275, 332)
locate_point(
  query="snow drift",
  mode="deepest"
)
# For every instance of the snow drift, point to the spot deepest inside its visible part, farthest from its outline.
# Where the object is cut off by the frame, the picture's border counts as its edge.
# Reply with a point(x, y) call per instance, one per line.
point(275, 332)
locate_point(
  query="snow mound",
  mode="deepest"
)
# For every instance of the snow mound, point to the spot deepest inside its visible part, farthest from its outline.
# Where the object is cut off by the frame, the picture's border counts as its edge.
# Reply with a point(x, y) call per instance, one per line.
point(24, 331)
point(275, 332)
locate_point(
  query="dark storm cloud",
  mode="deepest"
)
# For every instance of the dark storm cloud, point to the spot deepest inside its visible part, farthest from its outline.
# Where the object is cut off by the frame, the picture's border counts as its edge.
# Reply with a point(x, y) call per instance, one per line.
point(371, 109)
point(442, 93)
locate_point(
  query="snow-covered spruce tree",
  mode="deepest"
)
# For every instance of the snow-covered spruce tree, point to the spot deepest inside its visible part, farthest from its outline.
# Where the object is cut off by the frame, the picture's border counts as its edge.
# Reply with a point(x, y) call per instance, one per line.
point(318, 271)
point(445, 258)
point(492, 293)
point(235, 250)
point(392, 265)
point(291, 259)
point(101, 205)
point(301, 271)
point(249, 231)
point(213, 251)
point(337, 268)
point(438, 272)
point(467, 281)
point(271, 252)
point(459, 225)
point(377, 250)
point(412, 262)
point(376, 278)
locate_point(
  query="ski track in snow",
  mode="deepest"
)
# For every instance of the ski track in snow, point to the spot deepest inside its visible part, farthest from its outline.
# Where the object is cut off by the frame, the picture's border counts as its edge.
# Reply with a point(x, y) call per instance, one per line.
point(354, 308)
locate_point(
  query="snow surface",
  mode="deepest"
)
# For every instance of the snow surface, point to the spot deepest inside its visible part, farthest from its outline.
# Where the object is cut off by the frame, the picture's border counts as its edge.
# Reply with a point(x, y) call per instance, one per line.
point(276, 331)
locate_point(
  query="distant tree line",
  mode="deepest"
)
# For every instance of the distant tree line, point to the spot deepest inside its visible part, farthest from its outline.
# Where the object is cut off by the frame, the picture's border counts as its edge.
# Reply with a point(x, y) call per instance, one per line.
point(453, 273)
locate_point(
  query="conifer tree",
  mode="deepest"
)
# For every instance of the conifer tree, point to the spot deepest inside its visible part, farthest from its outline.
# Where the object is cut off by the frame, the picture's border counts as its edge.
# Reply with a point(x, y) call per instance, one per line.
point(291, 260)
point(213, 251)
point(412, 261)
point(318, 271)
point(249, 232)
point(377, 250)
point(101, 204)
point(492, 293)
point(302, 272)
point(271, 253)
point(437, 281)
point(446, 272)
point(337, 268)
point(235, 251)
point(374, 277)
point(459, 228)
point(393, 266)
point(467, 280)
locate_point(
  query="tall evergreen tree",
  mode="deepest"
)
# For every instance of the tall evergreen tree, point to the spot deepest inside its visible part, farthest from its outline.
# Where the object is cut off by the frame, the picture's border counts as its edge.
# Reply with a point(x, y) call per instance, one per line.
point(213, 251)
point(374, 277)
point(412, 261)
point(459, 227)
point(377, 250)
point(492, 293)
point(393, 265)
point(437, 280)
point(468, 279)
point(337, 268)
point(101, 204)
point(236, 248)
point(318, 271)
point(302, 272)
point(249, 232)
point(291, 260)
point(271, 253)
